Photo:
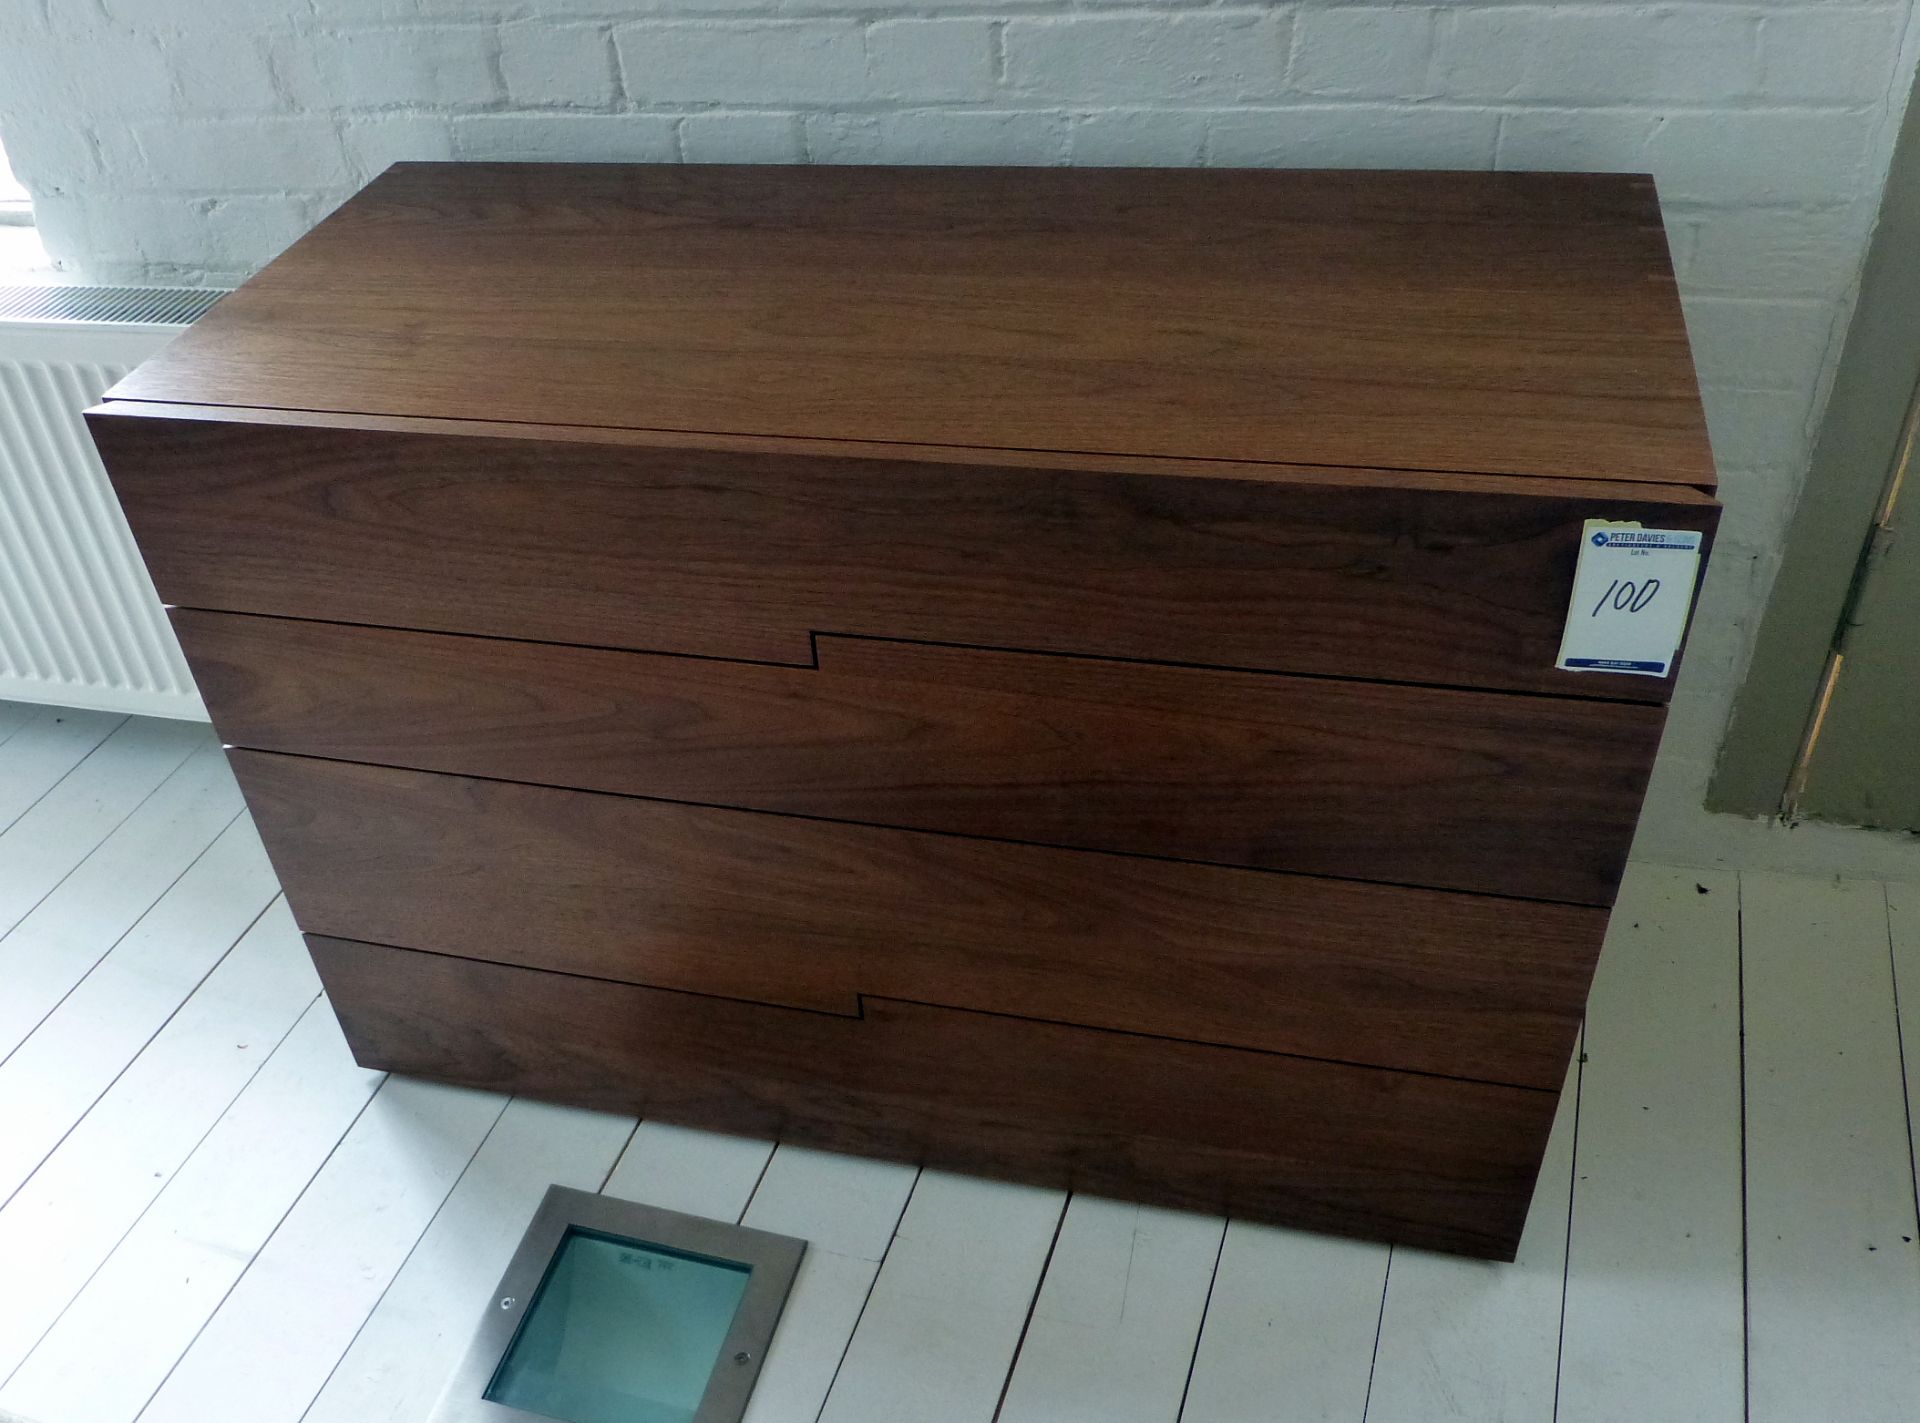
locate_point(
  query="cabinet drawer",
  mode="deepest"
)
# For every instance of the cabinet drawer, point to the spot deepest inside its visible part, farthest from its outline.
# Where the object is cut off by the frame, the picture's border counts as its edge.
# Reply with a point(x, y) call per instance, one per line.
point(818, 915)
point(1391, 1155)
point(1457, 579)
point(1529, 796)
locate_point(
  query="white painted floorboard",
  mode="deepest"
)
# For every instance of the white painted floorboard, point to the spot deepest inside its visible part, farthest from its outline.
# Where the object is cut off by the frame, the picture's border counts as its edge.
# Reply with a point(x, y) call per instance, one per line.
point(1654, 1287)
point(1469, 1339)
point(268, 1350)
point(698, 1172)
point(72, 928)
point(91, 1189)
point(395, 1368)
point(1833, 1267)
point(83, 1045)
point(174, 1267)
point(847, 1210)
point(219, 1217)
point(1903, 929)
point(13, 716)
point(1290, 1330)
point(37, 757)
point(1118, 1316)
point(65, 825)
point(938, 1334)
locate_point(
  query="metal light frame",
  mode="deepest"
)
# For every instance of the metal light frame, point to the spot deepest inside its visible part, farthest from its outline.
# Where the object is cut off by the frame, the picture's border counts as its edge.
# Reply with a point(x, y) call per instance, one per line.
point(773, 1261)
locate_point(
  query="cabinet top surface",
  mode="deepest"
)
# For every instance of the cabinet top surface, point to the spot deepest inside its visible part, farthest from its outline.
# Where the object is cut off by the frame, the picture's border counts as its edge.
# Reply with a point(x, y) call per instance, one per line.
point(1502, 323)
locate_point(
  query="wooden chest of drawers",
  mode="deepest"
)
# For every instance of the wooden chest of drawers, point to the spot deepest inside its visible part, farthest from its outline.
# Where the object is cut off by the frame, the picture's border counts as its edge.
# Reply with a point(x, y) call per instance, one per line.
point(1040, 672)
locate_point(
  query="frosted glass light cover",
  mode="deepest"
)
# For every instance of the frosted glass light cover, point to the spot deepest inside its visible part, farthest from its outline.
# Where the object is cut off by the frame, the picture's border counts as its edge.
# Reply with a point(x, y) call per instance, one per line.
point(620, 1332)
point(615, 1312)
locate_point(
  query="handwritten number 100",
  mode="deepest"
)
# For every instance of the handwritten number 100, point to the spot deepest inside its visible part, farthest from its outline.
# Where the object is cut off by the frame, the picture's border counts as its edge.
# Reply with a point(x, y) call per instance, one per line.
point(1627, 597)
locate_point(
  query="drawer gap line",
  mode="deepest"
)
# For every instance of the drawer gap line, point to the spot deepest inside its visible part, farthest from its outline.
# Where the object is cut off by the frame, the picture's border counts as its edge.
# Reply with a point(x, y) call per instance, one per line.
point(916, 830)
point(865, 998)
point(1217, 469)
point(812, 664)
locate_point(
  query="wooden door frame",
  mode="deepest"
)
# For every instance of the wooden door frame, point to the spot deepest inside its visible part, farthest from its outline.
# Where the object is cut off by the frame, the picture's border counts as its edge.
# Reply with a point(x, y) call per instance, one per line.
point(1859, 442)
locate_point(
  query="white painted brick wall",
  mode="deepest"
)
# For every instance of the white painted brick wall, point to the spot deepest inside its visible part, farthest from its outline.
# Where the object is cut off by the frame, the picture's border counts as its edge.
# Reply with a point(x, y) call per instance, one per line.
point(1364, 52)
point(572, 66)
point(923, 61)
point(1585, 54)
point(189, 140)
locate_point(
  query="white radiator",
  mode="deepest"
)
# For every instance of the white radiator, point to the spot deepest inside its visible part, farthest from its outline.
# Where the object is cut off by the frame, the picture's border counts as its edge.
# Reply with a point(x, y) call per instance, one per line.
point(80, 625)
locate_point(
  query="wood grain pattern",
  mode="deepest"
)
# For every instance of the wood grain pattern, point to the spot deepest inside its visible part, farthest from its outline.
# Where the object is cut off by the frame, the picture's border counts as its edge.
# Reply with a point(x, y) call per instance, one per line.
point(1508, 795)
point(1040, 671)
point(1168, 466)
point(815, 915)
point(1504, 322)
point(1399, 1156)
point(725, 554)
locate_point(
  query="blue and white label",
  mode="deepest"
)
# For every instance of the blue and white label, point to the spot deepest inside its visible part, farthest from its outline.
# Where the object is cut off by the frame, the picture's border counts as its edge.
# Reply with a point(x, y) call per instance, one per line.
point(1631, 593)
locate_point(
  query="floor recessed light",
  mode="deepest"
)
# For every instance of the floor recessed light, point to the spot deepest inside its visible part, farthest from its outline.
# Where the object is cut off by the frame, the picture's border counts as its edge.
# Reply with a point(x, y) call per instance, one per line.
point(613, 1312)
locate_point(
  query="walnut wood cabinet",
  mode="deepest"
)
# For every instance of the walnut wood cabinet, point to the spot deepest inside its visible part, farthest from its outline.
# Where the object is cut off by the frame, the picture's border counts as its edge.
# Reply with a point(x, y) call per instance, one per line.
point(1041, 672)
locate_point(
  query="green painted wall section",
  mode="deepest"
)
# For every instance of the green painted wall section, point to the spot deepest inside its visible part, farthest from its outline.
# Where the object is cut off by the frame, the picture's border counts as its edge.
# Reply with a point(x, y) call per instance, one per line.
point(1859, 439)
point(1865, 768)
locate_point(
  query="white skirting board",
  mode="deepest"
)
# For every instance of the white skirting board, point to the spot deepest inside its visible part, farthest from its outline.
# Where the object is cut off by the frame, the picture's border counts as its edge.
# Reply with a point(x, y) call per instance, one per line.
point(80, 624)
